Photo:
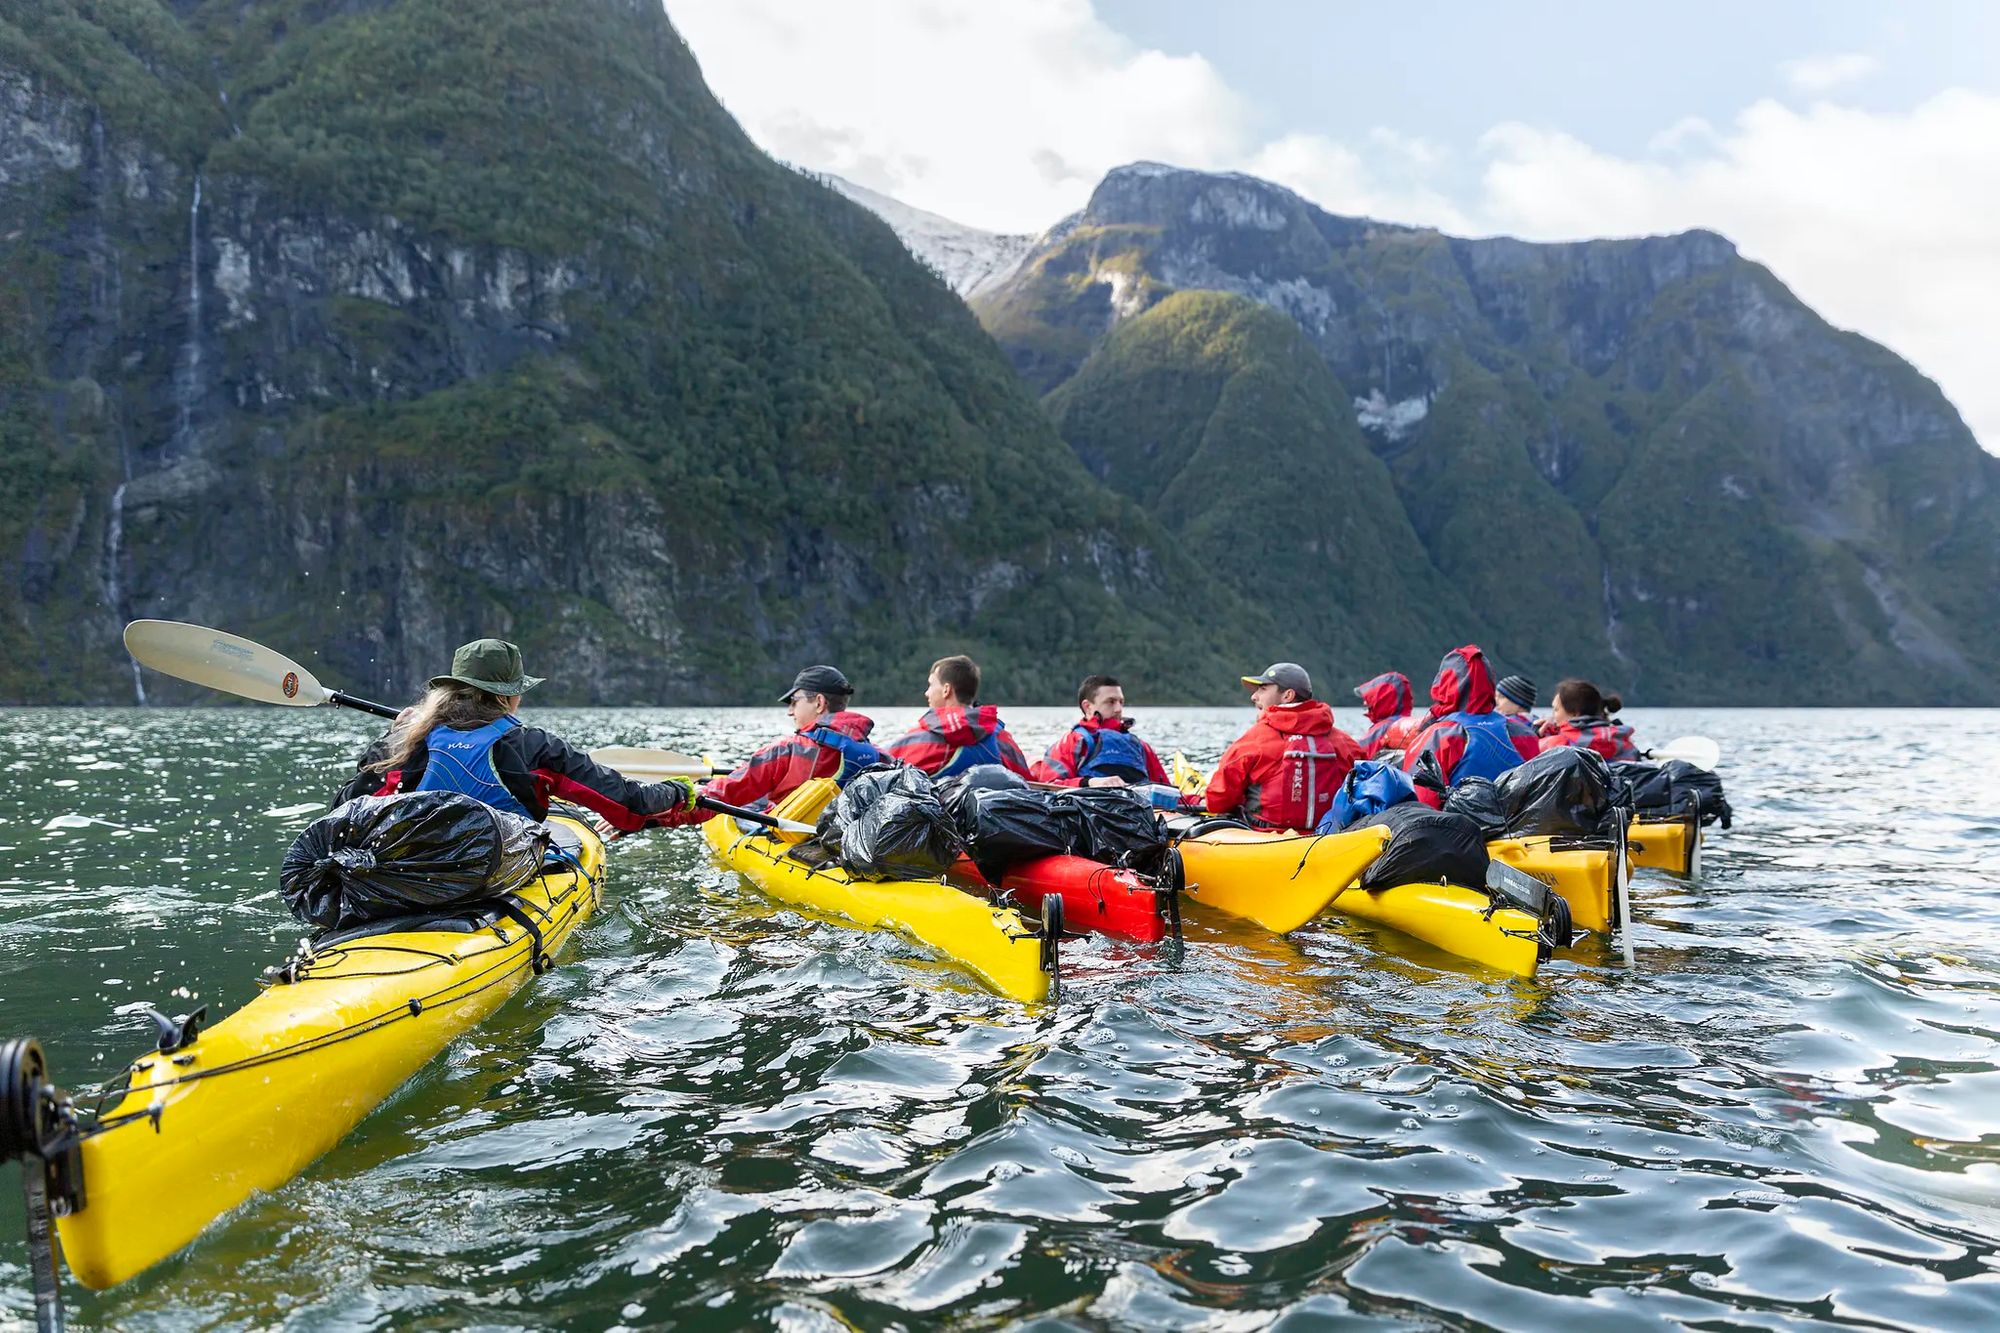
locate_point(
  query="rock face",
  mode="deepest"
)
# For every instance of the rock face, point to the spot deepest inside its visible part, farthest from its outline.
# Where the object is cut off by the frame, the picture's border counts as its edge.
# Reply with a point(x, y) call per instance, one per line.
point(366, 328)
point(1641, 460)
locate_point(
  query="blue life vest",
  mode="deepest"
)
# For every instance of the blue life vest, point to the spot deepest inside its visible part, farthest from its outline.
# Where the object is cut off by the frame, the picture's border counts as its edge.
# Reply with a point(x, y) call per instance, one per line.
point(855, 755)
point(1111, 752)
point(1489, 746)
point(985, 751)
point(462, 761)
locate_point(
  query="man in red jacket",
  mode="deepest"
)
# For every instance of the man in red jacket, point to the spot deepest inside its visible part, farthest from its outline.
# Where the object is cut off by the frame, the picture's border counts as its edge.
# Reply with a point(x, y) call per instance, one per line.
point(1100, 750)
point(957, 732)
point(1284, 771)
point(827, 741)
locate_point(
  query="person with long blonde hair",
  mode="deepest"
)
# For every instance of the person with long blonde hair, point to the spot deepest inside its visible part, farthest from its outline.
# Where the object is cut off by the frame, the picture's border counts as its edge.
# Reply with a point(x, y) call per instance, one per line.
point(465, 735)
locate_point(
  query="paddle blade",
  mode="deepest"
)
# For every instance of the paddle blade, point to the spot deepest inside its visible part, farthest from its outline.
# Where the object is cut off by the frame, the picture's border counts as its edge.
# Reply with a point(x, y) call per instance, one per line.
point(221, 661)
point(1697, 750)
point(650, 765)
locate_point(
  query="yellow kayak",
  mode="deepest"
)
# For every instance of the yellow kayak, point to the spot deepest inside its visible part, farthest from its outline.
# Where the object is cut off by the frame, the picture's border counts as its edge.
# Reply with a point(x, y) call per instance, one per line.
point(1282, 880)
point(1672, 845)
point(995, 944)
point(252, 1101)
point(1587, 877)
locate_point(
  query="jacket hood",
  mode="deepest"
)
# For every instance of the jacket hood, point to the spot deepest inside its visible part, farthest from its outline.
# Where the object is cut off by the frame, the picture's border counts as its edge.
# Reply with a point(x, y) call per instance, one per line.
point(1464, 683)
point(853, 725)
point(961, 726)
point(1314, 717)
point(1387, 695)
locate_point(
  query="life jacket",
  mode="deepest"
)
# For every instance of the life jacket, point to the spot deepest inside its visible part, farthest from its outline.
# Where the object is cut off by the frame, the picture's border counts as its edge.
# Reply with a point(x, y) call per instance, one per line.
point(984, 750)
point(462, 761)
point(1110, 752)
point(1489, 746)
point(1311, 769)
point(846, 734)
point(1611, 739)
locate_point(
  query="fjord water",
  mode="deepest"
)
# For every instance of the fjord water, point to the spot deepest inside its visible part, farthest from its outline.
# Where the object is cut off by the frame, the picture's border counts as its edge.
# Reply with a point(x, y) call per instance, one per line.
point(718, 1112)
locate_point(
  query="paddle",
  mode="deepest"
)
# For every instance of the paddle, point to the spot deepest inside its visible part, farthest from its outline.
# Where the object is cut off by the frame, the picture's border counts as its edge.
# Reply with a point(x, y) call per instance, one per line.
point(237, 666)
point(1697, 750)
point(234, 665)
point(634, 759)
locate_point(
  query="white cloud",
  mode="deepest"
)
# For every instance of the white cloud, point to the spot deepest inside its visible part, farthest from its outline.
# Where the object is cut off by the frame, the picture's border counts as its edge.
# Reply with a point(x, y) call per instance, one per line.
point(1001, 116)
point(1880, 221)
point(1814, 75)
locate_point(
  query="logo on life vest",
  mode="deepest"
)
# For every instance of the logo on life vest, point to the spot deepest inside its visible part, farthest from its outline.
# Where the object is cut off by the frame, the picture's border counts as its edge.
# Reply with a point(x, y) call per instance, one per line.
point(291, 686)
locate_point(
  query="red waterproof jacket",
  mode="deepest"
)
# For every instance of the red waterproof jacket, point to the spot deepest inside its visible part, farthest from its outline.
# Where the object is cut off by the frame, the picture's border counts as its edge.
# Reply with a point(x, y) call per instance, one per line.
point(1284, 771)
point(1061, 764)
point(950, 740)
point(1385, 700)
point(788, 763)
point(1611, 739)
point(1463, 687)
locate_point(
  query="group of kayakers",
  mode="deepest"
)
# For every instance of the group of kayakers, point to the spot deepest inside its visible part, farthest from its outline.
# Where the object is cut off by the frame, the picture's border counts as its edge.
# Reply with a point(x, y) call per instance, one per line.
point(1283, 772)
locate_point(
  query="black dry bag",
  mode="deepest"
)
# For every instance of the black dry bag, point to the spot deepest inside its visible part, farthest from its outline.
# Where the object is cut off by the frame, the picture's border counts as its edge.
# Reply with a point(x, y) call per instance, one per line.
point(378, 857)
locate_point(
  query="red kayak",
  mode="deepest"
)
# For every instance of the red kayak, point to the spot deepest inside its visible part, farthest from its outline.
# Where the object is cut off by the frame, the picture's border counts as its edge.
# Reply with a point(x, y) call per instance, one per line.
point(1095, 896)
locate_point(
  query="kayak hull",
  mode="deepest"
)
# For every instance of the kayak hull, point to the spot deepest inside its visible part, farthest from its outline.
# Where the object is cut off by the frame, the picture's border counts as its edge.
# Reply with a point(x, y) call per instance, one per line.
point(994, 944)
point(1672, 845)
point(1282, 880)
point(1586, 877)
point(258, 1097)
point(1096, 898)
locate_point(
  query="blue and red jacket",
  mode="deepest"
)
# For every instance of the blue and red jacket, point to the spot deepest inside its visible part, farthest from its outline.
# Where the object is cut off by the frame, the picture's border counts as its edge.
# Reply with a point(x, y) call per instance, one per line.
point(1611, 739)
point(1099, 748)
point(837, 748)
point(950, 740)
point(521, 768)
point(1385, 700)
point(1465, 738)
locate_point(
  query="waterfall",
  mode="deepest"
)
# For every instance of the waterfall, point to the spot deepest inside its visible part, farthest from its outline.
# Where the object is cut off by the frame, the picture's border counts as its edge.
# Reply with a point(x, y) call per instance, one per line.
point(1612, 624)
point(187, 380)
point(114, 592)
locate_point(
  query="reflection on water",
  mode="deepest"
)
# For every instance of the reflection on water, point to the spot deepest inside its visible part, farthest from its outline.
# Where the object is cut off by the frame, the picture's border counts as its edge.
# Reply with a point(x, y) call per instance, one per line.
point(720, 1111)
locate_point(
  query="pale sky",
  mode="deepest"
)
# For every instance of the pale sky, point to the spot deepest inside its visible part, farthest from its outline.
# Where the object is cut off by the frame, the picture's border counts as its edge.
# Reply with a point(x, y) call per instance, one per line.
point(1854, 148)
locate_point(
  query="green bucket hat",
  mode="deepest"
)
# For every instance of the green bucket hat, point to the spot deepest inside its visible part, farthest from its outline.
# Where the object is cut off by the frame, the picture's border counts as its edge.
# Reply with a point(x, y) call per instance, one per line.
point(493, 665)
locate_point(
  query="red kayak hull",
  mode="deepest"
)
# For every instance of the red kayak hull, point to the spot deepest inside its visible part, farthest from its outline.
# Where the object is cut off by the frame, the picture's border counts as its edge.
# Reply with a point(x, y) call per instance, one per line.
point(1095, 897)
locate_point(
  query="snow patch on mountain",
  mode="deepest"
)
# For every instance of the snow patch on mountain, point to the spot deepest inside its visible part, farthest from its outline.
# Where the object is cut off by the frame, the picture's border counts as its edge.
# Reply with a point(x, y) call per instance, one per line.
point(969, 259)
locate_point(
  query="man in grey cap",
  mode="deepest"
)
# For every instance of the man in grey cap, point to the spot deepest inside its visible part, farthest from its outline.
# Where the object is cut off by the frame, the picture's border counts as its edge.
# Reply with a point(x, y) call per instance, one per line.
point(826, 741)
point(1284, 771)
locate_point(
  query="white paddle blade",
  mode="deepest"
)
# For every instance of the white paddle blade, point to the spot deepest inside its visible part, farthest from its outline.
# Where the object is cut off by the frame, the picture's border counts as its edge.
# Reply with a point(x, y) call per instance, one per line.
point(221, 661)
point(651, 765)
point(1697, 750)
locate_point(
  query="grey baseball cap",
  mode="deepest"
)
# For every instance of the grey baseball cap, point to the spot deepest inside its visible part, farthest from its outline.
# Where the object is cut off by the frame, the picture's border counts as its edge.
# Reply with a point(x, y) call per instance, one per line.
point(1285, 675)
point(817, 680)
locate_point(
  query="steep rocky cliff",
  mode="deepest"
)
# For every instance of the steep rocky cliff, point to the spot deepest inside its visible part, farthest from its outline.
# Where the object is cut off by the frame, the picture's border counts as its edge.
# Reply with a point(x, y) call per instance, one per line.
point(370, 327)
point(1645, 460)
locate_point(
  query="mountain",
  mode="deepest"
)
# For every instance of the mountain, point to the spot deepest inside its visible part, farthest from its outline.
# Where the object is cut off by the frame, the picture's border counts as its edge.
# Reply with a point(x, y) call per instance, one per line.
point(365, 328)
point(1217, 415)
point(969, 260)
point(1641, 460)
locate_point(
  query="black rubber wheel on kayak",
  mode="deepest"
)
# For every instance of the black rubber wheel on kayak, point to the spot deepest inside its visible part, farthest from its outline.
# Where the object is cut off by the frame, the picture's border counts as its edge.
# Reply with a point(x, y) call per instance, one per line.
point(1173, 878)
point(1052, 930)
point(23, 1074)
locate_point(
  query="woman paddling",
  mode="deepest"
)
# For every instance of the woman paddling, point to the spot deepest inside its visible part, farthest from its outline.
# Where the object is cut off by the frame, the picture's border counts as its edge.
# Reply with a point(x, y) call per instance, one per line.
point(463, 736)
point(1580, 714)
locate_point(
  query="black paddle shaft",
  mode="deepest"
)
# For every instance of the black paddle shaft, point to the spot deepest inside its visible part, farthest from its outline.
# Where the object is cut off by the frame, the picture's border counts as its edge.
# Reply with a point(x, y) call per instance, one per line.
point(343, 699)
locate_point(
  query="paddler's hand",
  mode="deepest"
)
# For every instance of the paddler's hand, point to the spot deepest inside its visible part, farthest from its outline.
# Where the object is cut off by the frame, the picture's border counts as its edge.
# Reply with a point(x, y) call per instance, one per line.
point(685, 811)
point(1112, 781)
